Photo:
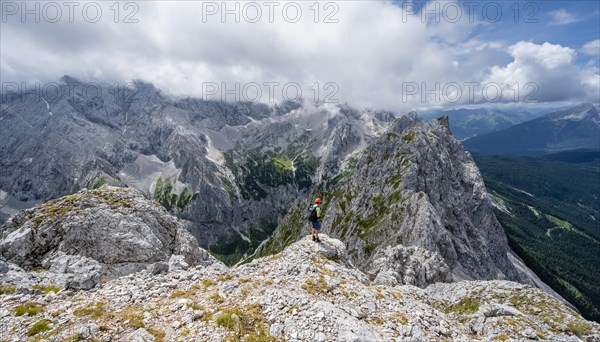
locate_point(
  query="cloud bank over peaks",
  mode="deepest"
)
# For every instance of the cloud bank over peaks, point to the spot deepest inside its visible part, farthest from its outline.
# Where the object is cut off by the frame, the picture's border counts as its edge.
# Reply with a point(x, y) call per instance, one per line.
point(368, 54)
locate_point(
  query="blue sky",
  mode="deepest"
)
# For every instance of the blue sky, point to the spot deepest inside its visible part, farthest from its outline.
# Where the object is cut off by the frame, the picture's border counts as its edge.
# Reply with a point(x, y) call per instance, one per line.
point(568, 23)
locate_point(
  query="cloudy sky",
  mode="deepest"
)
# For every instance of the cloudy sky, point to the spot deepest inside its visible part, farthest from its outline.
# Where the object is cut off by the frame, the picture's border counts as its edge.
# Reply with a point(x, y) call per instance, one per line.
point(383, 55)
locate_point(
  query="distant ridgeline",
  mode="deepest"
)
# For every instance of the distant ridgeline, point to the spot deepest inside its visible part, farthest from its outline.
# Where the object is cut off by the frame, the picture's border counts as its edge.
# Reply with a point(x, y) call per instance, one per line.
point(574, 128)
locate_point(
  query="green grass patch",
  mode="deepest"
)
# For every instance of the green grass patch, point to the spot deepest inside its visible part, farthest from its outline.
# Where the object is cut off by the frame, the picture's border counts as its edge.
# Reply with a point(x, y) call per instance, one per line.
point(159, 335)
point(283, 163)
point(227, 320)
point(7, 289)
point(96, 311)
point(29, 309)
point(408, 137)
point(47, 289)
point(315, 287)
point(580, 328)
point(466, 306)
point(39, 327)
point(245, 324)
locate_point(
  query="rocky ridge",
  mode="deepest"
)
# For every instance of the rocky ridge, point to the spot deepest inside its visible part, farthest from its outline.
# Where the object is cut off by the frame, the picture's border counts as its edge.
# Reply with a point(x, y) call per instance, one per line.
point(412, 209)
point(309, 292)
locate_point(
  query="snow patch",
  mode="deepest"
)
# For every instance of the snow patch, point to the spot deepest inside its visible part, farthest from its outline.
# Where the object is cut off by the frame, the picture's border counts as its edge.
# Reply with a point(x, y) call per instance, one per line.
point(578, 116)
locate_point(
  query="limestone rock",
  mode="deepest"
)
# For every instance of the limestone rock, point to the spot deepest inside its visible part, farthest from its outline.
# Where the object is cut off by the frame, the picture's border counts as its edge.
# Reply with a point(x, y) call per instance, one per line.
point(409, 266)
point(413, 189)
point(141, 335)
point(3, 266)
point(74, 271)
point(158, 267)
point(309, 292)
point(108, 232)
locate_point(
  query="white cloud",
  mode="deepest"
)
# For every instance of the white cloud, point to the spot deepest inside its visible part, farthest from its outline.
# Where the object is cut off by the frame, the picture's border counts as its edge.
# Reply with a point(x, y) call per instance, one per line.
point(591, 48)
point(372, 53)
point(550, 72)
point(562, 17)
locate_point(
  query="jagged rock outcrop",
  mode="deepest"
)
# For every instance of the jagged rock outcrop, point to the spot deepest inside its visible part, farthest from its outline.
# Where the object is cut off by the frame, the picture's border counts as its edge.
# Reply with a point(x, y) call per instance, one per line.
point(309, 292)
point(409, 265)
point(416, 190)
point(92, 234)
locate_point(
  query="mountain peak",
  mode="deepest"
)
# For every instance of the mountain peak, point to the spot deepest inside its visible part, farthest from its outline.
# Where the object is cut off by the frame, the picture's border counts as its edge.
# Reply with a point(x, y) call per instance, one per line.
point(568, 129)
point(417, 176)
point(583, 112)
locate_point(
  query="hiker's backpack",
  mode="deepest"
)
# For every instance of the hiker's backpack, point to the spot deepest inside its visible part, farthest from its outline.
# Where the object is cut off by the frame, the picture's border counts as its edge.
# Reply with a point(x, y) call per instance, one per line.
point(312, 213)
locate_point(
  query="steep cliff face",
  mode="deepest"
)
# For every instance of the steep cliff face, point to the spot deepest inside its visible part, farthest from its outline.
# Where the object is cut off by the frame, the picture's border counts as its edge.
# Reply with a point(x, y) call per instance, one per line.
point(411, 209)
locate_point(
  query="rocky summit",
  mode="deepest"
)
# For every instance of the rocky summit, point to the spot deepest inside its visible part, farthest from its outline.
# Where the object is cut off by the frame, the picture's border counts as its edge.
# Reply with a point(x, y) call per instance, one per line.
point(309, 292)
point(412, 251)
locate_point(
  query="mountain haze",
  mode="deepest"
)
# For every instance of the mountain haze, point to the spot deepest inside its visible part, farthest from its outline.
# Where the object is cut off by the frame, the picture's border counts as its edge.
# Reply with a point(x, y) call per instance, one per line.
point(573, 128)
point(467, 123)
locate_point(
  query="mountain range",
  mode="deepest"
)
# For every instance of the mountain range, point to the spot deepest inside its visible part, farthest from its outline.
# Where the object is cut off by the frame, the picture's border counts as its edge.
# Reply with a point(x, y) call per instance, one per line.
point(467, 123)
point(404, 198)
point(230, 171)
point(573, 128)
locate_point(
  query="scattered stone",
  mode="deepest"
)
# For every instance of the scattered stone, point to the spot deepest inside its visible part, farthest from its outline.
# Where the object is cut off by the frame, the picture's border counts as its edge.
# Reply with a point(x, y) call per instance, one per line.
point(141, 335)
point(302, 306)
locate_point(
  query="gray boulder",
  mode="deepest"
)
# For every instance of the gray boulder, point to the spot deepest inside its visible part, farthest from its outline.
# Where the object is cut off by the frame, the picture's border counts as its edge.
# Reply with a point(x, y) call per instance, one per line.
point(108, 232)
point(141, 335)
point(158, 268)
point(74, 271)
point(177, 262)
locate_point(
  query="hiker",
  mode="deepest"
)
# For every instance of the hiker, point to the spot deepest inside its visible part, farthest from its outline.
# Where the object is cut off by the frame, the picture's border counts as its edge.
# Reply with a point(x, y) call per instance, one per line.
point(315, 219)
